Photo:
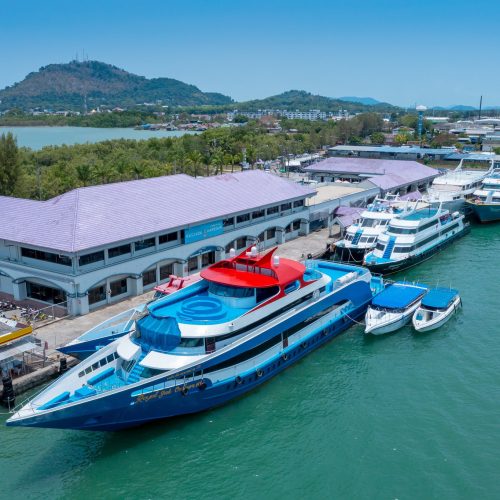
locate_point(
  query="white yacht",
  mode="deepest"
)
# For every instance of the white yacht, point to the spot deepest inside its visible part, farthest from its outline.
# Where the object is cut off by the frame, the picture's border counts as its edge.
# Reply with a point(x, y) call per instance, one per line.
point(452, 188)
point(414, 238)
point(485, 202)
point(361, 237)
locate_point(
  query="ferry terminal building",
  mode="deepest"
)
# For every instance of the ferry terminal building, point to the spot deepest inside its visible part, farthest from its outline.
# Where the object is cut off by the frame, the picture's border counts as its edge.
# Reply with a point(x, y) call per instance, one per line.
point(96, 245)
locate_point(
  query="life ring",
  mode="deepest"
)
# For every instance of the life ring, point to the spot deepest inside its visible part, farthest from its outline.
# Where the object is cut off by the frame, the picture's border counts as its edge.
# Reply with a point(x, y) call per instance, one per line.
point(238, 380)
point(260, 373)
point(184, 391)
point(284, 356)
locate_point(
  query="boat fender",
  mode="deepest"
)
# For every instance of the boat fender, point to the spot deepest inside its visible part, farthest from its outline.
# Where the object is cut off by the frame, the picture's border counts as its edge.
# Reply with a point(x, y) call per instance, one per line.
point(284, 356)
point(184, 391)
point(238, 380)
point(260, 373)
point(8, 396)
point(63, 365)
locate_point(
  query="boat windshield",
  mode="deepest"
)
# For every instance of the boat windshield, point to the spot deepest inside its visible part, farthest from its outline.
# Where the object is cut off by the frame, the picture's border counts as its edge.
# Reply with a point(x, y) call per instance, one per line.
point(230, 291)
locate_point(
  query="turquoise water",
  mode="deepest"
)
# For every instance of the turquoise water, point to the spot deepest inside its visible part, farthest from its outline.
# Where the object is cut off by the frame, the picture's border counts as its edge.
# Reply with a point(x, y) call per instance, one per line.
point(407, 416)
point(38, 137)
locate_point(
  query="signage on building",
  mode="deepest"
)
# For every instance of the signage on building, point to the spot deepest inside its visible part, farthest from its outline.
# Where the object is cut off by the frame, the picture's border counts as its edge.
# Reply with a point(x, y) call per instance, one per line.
point(203, 231)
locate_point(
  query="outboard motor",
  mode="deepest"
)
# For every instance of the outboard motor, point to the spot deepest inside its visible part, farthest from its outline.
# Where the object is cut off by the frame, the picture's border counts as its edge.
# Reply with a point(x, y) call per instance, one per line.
point(8, 396)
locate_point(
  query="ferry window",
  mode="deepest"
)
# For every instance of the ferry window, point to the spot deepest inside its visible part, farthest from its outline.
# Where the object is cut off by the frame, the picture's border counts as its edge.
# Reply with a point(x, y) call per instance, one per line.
point(242, 218)
point(266, 293)
point(90, 258)
point(380, 246)
point(273, 210)
point(167, 238)
point(95, 366)
point(88, 370)
point(110, 358)
point(118, 287)
point(81, 374)
point(401, 230)
point(401, 249)
point(117, 251)
point(291, 287)
point(187, 342)
point(368, 223)
point(142, 244)
point(428, 225)
point(116, 355)
point(230, 291)
point(298, 203)
point(150, 372)
point(257, 214)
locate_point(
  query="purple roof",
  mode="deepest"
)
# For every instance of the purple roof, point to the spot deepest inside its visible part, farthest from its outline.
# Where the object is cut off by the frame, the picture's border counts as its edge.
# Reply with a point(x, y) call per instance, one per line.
point(385, 174)
point(347, 215)
point(98, 215)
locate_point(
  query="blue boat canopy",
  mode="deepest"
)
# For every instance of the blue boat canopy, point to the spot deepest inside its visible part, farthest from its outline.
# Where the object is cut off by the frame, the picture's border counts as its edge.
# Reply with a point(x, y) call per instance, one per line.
point(439, 298)
point(398, 295)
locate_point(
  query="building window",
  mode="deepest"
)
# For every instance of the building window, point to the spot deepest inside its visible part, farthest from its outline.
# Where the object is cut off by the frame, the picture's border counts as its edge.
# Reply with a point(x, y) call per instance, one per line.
point(97, 294)
point(262, 236)
point(271, 233)
point(228, 222)
point(149, 277)
point(46, 256)
point(298, 203)
point(257, 214)
point(168, 237)
point(288, 228)
point(193, 264)
point(242, 218)
point(118, 287)
point(117, 251)
point(90, 258)
point(142, 244)
point(207, 259)
point(45, 293)
point(166, 270)
point(273, 210)
point(286, 206)
point(241, 243)
point(296, 225)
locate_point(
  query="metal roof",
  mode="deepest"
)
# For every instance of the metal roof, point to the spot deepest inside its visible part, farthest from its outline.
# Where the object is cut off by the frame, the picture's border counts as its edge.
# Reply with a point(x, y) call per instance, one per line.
point(385, 174)
point(99, 215)
point(395, 149)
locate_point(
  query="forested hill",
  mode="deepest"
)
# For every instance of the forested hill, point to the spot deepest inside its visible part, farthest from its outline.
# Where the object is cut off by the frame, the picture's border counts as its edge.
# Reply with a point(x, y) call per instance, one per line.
point(64, 87)
point(304, 101)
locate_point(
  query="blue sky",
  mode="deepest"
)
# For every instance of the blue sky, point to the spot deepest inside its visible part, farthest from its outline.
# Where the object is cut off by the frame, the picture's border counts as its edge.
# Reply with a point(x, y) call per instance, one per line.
point(435, 52)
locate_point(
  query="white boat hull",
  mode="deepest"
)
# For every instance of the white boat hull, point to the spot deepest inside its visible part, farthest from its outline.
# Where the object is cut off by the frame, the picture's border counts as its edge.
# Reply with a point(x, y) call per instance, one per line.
point(438, 320)
point(380, 324)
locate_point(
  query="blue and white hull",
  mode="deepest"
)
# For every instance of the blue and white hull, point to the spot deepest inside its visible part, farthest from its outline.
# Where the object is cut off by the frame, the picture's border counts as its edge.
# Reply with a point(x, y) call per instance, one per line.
point(209, 380)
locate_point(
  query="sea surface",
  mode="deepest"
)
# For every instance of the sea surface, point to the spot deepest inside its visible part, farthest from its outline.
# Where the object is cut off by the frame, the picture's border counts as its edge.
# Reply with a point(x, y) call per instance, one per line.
point(39, 137)
point(402, 416)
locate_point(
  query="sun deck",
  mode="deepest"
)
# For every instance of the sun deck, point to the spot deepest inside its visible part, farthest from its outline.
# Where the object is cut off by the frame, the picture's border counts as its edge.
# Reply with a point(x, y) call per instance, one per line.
point(423, 213)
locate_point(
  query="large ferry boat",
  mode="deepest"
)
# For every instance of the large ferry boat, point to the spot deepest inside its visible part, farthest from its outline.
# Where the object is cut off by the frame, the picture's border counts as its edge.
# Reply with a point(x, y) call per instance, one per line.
point(452, 188)
point(414, 238)
point(247, 319)
point(485, 202)
point(361, 237)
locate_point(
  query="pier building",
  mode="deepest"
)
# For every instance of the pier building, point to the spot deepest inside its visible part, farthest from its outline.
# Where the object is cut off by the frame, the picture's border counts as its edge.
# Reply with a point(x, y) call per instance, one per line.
point(96, 245)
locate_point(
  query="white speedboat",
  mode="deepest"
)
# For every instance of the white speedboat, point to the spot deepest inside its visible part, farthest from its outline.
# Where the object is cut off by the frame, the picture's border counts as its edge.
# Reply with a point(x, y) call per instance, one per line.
point(361, 237)
point(393, 308)
point(452, 188)
point(436, 309)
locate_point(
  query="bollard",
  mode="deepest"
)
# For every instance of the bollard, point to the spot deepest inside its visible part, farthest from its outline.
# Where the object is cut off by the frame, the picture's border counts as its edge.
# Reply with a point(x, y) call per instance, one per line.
point(63, 365)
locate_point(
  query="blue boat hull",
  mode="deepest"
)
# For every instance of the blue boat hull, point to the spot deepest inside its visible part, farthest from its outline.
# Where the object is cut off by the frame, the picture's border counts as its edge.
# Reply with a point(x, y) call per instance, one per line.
point(127, 408)
point(486, 212)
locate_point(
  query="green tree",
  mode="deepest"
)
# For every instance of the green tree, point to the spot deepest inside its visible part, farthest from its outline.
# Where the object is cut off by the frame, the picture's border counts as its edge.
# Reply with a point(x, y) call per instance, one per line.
point(9, 164)
point(377, 138)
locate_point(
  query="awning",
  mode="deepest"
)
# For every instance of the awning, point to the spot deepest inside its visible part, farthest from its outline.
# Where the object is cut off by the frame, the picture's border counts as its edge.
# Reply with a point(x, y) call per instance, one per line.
point(17, 349)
